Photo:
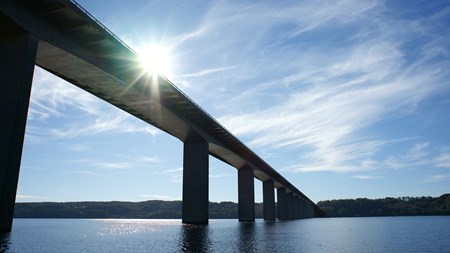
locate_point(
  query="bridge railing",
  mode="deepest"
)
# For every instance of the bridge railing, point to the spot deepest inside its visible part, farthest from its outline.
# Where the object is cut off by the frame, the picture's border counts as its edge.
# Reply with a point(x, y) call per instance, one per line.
point(101, 25)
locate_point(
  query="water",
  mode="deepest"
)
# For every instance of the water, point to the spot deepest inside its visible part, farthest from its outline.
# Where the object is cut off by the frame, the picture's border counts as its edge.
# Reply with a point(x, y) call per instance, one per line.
point(380, 234)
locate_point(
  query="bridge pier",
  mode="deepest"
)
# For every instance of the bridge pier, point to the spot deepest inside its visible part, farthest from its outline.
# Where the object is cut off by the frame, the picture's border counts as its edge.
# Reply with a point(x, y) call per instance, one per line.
point(290, 206)
point(310, 211)
point(298, 212)
point(296, 207)
point(303, 209)
point(268, 200)
point(282, 203)
point(17, 58)
point(246, 194)
point(195, 183)
point(300, 208)
point(306, 210)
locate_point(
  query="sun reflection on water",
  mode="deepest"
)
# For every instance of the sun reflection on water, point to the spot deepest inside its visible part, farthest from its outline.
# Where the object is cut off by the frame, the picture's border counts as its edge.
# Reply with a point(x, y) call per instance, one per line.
point(128, 227)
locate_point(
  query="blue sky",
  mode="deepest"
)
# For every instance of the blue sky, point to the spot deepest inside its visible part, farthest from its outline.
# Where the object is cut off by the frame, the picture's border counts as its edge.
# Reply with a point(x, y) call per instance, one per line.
point(345, 99)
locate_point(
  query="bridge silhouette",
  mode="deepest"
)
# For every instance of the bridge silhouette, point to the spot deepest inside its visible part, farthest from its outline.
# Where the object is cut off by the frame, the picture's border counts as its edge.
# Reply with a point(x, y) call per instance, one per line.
point(64, 39)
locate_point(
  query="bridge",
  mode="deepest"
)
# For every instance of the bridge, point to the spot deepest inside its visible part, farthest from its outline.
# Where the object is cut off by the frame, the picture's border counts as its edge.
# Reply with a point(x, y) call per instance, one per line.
point(64, 39)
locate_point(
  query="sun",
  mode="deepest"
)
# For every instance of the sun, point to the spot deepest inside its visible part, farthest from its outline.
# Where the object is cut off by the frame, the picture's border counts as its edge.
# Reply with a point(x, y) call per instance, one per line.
point(155, 59)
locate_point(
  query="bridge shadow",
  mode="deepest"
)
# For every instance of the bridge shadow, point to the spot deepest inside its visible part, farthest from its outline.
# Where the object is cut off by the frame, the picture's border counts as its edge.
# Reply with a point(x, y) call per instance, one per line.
point(195, 238)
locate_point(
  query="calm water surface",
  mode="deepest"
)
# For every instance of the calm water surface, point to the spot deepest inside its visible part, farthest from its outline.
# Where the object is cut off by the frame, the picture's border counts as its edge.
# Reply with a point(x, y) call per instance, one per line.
point(381, 234)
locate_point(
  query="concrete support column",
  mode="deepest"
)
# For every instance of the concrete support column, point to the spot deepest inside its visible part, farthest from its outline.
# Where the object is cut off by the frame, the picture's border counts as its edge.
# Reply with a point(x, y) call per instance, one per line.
point(268, 200)
point(310, 210)
point(296, 208)
point(302, 208)
point(246, 192)
point(290, 206)
point(307, 210)
point(282, 204)
point(17, 58)
point(195, 183)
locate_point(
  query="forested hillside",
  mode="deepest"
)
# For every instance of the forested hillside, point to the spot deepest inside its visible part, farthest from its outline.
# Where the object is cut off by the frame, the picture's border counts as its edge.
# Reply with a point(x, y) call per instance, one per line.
point(404, 206)
point(153, 209)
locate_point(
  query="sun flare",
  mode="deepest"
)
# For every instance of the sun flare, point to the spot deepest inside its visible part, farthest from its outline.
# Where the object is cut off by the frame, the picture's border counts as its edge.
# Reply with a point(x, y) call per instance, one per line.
point(155, 59)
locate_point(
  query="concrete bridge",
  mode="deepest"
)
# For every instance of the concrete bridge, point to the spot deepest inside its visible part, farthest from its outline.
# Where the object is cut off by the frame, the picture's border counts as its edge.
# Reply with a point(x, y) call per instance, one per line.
point(64, 39)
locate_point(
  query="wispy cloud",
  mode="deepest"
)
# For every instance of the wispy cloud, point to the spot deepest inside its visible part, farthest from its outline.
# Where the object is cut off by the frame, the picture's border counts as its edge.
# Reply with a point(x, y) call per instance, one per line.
point(220, 175)
point(175, 175)
point(174, 170)
point(118, 122)
point(113, 123)
point(207, 72)
point(179, 39)
point(416, 156)
point(366, 177)
point(51, 95)
point(27, 167)
point(311, 15)
point(443, 160)
point(148, 159)
point(86, 172)
point(79, 147)
point(82, 160)
point(53, 98)
point(120, 162)
point(113, 166)
point(437, 178)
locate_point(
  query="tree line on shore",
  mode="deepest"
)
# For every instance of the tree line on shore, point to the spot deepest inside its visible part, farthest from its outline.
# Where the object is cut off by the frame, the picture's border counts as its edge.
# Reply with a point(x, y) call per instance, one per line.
point(158, 209)
point(152, 209)
point(403, 206)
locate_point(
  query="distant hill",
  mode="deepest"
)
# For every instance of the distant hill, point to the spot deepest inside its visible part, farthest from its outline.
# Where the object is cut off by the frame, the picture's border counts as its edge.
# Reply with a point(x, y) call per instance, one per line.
point(153, 209)
point(404, 206)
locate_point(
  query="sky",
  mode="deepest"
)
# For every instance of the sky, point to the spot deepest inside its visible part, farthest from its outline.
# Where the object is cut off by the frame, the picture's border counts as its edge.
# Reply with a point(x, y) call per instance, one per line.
point(345, 99)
